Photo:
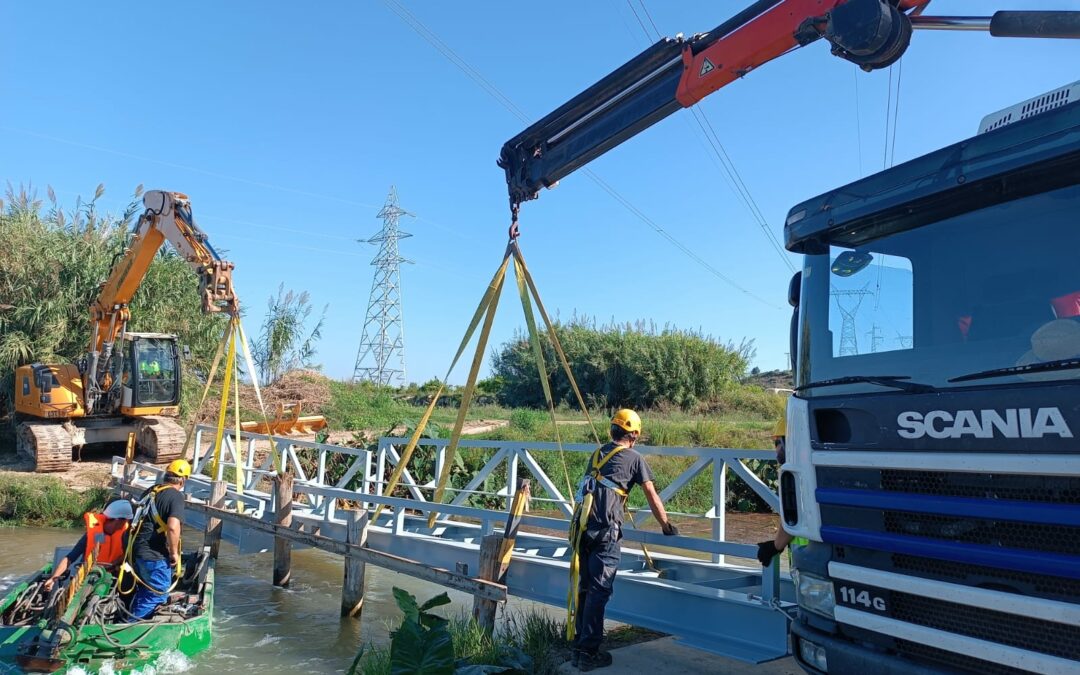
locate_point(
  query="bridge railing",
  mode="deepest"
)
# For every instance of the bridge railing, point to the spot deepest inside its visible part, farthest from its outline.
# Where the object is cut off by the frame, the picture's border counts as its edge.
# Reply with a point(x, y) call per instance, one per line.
point(327, 473)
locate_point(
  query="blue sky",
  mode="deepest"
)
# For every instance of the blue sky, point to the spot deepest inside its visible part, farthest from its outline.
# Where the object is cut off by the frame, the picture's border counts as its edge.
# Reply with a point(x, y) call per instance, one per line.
point(286, 123)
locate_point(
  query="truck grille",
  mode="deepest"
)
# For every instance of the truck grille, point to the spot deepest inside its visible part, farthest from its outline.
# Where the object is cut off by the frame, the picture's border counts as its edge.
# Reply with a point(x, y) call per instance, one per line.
point(918, 652)
point(1058, 588)
point(1010, 534)
point(1045, 489)
point(1048, 637)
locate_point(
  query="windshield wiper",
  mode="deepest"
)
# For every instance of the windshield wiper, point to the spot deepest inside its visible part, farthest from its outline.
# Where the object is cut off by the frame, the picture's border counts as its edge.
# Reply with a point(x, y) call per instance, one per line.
point(894, 381)
point(1060, 364)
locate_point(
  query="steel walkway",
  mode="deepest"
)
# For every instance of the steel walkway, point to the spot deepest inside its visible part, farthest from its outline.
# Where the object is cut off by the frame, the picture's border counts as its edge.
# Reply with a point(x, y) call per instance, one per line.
point(704, 600)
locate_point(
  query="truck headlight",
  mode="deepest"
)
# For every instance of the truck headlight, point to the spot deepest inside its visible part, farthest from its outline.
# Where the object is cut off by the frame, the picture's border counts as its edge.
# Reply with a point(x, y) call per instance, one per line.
point(814, 593)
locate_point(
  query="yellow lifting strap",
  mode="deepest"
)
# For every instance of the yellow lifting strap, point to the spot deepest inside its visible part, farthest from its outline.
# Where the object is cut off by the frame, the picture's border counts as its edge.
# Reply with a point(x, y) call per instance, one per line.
point(577, 529)
point(227, 346)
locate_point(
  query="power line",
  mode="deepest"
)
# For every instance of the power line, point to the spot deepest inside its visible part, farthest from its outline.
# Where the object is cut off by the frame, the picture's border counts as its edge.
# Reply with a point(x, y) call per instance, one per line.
point(647, 14)
point(493, 91)
point(741, 191)
point(896, 111)
point(640, 22)
point(186, 167)
point(888, 113)
point(858, 117)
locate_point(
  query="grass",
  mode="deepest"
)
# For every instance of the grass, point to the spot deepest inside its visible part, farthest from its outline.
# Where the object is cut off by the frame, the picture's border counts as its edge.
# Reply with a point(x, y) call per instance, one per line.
point(45, 501)
point(742, 418)
point(530, 632)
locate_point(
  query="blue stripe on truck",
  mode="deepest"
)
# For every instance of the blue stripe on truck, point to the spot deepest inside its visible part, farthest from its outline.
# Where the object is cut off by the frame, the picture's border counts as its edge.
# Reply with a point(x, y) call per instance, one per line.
point(1036, 562)
point(968, 507)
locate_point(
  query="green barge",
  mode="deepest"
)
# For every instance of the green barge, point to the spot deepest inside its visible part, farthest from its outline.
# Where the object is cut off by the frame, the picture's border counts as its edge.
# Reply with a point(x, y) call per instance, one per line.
point(82, 622)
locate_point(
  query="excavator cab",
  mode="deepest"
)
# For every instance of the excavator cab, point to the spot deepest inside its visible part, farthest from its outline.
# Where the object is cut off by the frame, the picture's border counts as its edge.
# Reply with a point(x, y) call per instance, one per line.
point(151, 378)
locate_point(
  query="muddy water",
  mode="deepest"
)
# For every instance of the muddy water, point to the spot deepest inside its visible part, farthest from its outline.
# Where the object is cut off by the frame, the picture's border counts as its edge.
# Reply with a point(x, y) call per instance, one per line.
point(258, 627)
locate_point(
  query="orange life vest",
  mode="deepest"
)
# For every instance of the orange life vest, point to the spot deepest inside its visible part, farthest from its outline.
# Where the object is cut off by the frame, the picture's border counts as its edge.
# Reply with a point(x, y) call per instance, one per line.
point(111, 551)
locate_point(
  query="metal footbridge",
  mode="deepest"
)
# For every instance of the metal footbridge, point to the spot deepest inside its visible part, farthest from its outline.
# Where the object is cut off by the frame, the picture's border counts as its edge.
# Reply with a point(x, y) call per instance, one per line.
point(698, 594)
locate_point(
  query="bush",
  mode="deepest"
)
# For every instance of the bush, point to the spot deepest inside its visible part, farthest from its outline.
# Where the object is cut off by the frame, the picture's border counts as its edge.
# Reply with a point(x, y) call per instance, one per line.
point(45, 501)
point(633, 365)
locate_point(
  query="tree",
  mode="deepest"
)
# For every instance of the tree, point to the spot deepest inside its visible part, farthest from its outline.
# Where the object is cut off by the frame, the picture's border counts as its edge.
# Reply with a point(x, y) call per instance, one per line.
point(286, 342)
point(633, 365)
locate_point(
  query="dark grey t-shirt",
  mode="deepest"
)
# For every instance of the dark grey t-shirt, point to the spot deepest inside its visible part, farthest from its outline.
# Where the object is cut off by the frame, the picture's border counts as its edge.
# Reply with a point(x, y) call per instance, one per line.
point(626, 469)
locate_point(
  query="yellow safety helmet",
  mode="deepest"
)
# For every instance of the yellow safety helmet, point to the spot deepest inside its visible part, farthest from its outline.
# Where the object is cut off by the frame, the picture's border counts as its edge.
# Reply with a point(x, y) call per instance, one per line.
point(627, 419)
point(179, 467)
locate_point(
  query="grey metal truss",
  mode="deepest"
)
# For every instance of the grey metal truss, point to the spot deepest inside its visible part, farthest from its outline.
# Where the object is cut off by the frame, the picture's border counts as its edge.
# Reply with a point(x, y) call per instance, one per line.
point(849, 341)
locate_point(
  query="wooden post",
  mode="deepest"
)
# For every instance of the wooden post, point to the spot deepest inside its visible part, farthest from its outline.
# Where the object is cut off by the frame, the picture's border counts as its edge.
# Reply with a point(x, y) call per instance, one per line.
point(129, 479)
point(283, 494)
point(212, 539)
point(484, 610)
point(496, 551)
point(352, 589)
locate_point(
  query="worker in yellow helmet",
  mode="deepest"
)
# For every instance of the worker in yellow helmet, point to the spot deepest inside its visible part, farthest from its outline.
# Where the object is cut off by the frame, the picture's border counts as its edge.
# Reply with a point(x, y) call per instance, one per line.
point(613, 470)
point(156, 546)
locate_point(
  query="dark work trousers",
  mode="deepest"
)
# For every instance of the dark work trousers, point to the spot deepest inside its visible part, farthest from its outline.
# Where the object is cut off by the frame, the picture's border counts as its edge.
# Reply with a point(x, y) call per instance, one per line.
point(598, 558)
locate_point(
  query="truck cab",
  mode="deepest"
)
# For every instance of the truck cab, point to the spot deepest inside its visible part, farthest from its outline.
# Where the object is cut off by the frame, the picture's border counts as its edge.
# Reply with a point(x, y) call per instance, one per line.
point(931, 453)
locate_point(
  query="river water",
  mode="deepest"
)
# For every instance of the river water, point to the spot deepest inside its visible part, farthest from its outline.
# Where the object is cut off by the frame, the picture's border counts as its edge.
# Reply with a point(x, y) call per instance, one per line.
point(258, 627)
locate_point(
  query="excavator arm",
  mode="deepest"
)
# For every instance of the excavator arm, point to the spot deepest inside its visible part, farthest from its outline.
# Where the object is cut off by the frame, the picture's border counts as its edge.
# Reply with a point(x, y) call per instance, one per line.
point(676, 73)
point(167, 218)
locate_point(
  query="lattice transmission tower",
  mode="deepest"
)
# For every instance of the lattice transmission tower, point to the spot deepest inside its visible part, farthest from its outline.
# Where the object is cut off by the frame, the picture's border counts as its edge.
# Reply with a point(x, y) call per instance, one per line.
point(381, 357)
point(849, 341)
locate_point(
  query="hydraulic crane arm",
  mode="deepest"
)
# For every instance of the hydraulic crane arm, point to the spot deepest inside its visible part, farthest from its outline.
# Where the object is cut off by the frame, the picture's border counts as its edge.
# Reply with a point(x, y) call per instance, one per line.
point(167, 218)
point(676, 73)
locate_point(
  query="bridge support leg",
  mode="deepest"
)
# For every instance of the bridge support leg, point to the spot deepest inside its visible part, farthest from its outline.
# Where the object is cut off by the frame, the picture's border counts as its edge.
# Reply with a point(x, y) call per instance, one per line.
point(213, 525)
point(352, 590)
point(484, 610)
point(129, 479)
point(283, 493)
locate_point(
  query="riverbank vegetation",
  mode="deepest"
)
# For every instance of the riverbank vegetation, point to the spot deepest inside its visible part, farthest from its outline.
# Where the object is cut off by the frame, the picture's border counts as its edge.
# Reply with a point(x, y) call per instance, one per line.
point(44, 501)
point(528, 642)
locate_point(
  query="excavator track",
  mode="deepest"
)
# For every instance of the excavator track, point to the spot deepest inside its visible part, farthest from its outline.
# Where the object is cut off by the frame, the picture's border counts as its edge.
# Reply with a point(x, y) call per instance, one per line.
point(161, 439)
point(47, 444)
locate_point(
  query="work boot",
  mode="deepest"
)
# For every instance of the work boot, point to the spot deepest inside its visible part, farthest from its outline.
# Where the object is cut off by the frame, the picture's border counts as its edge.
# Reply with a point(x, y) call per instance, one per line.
point(587, 661)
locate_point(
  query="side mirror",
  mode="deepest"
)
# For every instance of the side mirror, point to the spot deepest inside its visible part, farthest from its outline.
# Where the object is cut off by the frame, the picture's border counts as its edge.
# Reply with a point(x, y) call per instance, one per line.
point(850, 262)
point(185, 351)
point(794, 289)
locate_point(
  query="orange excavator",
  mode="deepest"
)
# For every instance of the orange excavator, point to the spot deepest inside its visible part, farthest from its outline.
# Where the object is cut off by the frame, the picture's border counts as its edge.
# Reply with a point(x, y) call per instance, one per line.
point(126, 382)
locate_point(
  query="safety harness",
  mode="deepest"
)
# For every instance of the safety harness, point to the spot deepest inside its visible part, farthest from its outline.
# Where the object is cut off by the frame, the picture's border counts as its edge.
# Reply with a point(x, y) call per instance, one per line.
point(587, 487)
point(146, 507)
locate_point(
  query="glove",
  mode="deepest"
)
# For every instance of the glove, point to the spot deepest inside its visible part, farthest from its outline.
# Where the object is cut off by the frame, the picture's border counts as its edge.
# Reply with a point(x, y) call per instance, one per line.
point(669, 529)
point(766, 551)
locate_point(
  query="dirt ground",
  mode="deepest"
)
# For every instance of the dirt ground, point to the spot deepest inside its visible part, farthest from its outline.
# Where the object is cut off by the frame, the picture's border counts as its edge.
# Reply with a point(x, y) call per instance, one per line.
point(90, 473)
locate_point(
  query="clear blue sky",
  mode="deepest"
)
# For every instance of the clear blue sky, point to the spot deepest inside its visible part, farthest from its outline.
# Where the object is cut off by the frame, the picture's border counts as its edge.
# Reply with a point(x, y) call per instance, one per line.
point(287, 123)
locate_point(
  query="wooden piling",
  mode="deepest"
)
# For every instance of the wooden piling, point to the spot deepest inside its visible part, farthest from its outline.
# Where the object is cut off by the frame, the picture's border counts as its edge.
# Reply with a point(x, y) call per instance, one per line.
point(129, 480)
point(212, 538)
point(283, 496)
point(352, 590)
point(496, 550)
point(484, 610)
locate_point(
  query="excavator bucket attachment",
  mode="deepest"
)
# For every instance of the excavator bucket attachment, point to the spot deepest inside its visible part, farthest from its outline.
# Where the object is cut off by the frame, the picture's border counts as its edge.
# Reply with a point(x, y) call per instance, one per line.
point(287, 420)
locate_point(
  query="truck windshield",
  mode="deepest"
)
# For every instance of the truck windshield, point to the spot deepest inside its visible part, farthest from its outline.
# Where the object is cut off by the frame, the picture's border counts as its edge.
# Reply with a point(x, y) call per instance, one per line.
point(990, 289)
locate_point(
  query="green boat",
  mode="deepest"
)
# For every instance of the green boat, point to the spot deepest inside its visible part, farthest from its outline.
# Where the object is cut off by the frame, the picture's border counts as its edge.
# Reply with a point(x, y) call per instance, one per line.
point(81, 622)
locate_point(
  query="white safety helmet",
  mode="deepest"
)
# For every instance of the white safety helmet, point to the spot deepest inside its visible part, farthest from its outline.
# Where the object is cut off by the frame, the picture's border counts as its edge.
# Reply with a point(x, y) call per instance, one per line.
point(119, 509)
